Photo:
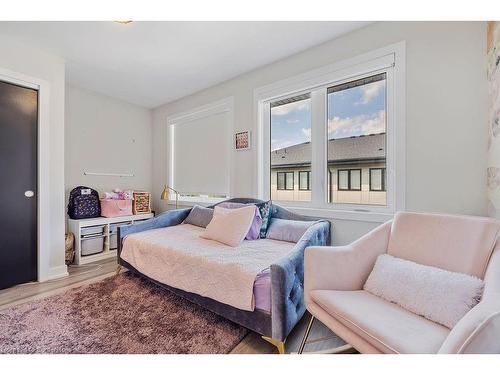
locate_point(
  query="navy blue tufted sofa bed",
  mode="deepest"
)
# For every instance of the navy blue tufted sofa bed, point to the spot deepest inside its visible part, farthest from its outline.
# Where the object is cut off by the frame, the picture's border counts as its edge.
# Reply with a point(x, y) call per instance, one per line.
point(287, 275)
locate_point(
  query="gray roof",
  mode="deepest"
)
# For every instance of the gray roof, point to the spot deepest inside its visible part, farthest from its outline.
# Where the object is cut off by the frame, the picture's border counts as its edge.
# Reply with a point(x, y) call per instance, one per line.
point(364, 148)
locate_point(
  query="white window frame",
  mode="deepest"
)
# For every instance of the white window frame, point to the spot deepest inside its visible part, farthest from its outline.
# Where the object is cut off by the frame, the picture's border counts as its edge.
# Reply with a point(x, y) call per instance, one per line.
point(391, 60)
point(225, 105)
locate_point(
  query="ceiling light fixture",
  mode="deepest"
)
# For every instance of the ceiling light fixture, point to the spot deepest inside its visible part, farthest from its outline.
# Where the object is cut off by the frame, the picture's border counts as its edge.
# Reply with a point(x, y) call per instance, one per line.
point(123, 22)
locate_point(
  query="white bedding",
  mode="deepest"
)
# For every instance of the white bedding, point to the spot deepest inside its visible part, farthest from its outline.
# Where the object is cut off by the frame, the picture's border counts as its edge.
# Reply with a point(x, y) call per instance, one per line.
point(178, 257)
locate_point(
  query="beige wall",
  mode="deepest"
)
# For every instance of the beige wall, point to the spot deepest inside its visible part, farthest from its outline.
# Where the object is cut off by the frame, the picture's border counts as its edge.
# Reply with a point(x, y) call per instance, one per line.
point(106, 135)
point(364, 196)
point(289, 195)
point(446, 114)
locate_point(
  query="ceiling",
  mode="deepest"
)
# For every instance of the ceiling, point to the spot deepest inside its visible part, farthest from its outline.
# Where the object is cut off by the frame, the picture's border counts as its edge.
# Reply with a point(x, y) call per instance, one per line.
point(152, 63)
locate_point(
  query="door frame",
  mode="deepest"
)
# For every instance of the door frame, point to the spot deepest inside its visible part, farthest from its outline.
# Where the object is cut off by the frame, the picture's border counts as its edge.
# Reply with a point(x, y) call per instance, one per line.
point(43, 164)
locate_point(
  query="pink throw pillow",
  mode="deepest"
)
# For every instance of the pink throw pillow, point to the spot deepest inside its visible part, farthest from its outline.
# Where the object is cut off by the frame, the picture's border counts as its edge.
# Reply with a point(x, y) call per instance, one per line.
point(254, 231)
point(230, 226)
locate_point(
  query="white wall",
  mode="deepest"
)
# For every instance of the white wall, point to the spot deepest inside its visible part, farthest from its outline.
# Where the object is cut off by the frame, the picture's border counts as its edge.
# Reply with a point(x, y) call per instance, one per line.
point(29, 61)
point(446, 114)
point(106, 135)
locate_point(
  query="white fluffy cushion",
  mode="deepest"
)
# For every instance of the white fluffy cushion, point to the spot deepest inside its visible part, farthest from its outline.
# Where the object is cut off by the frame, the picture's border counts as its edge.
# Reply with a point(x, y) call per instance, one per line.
point(439, 295)
point(230, 226)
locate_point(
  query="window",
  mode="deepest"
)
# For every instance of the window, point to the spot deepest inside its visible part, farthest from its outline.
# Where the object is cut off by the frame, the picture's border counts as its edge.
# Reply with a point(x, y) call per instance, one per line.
point(281, 176)
point(198, 174)
point(305, 180)
point(285, 180)
point(343, 180)
point(355, 179)
point(330, 182)
point(344, 124)
point(356, 135)
point(349, 179)
point(290, 147)
point(377, 179)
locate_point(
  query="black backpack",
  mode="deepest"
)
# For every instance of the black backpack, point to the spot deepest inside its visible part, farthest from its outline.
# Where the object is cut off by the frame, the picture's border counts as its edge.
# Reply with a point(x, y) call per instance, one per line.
point(84, 203)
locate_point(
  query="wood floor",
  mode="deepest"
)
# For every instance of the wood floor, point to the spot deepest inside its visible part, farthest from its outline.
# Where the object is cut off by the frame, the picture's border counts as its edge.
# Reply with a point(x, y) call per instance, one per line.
point(321, 338)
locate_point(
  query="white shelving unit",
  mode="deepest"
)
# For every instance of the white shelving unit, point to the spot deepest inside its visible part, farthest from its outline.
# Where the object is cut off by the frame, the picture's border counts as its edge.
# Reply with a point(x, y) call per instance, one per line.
point(76, 226)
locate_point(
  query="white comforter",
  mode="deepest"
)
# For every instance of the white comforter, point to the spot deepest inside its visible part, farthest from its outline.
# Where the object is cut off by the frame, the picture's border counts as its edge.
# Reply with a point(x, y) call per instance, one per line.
point(178, 257)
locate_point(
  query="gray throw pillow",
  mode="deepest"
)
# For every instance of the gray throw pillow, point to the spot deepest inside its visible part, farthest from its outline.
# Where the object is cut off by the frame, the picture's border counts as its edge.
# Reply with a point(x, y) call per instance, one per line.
point(199, 216)
point(287, 230)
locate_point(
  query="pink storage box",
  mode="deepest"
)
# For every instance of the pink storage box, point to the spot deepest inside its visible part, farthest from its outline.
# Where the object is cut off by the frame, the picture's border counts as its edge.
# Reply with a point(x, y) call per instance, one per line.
point(116, 207)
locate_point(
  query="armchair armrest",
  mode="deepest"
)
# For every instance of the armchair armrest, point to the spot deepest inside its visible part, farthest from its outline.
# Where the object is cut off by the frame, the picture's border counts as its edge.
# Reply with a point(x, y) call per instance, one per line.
point(165, 219)
point(479, 329)
point(344, 267)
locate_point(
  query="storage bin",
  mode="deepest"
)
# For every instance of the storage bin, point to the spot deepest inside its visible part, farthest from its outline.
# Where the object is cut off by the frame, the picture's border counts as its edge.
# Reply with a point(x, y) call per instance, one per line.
point(116, 207)
point(113, 234)
point(92, 240)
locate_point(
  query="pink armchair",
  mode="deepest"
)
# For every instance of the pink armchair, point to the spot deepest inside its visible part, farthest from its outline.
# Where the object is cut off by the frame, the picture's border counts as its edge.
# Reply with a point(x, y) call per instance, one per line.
point(334, 279)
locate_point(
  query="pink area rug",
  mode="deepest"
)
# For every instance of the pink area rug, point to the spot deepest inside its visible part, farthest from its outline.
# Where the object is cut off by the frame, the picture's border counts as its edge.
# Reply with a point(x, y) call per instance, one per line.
point(121, 314)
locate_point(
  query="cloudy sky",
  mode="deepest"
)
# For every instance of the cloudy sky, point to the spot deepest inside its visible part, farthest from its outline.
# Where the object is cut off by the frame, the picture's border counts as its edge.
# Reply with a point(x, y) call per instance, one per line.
point(351, 112)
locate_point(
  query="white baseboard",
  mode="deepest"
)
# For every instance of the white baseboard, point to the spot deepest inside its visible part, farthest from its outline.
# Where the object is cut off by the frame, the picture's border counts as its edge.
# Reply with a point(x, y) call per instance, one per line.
point(57, 272)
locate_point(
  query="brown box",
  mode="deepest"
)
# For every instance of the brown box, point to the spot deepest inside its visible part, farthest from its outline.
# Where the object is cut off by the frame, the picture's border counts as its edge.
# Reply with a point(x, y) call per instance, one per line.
point(142, 203)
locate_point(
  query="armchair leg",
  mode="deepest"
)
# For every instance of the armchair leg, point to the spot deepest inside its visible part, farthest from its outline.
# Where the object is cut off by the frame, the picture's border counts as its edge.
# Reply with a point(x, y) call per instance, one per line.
point(280, 345)
point(306, 335)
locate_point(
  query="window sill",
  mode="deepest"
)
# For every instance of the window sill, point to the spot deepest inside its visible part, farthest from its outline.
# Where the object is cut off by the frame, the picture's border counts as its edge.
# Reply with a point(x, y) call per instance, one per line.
point(335, 214)
point(325, 213)
point(195, 201)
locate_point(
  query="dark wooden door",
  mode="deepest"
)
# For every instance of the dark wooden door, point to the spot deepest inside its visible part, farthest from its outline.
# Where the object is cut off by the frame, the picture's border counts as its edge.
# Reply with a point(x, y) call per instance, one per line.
point(18, 184)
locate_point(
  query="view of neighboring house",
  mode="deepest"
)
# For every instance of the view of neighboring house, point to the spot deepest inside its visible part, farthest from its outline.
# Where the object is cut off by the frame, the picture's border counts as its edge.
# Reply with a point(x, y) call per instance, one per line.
point(356, 144)
point(356, 167)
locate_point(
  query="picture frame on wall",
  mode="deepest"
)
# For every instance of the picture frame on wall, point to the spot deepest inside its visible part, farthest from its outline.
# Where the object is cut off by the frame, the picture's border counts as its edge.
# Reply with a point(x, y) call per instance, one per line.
point(242, 141)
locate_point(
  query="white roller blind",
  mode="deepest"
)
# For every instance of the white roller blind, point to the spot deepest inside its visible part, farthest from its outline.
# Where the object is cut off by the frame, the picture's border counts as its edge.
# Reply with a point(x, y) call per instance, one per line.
point(201, 150)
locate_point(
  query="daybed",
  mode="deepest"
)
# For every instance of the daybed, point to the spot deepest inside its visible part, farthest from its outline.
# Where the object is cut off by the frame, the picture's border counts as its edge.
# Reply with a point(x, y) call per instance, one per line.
point(286, 274)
